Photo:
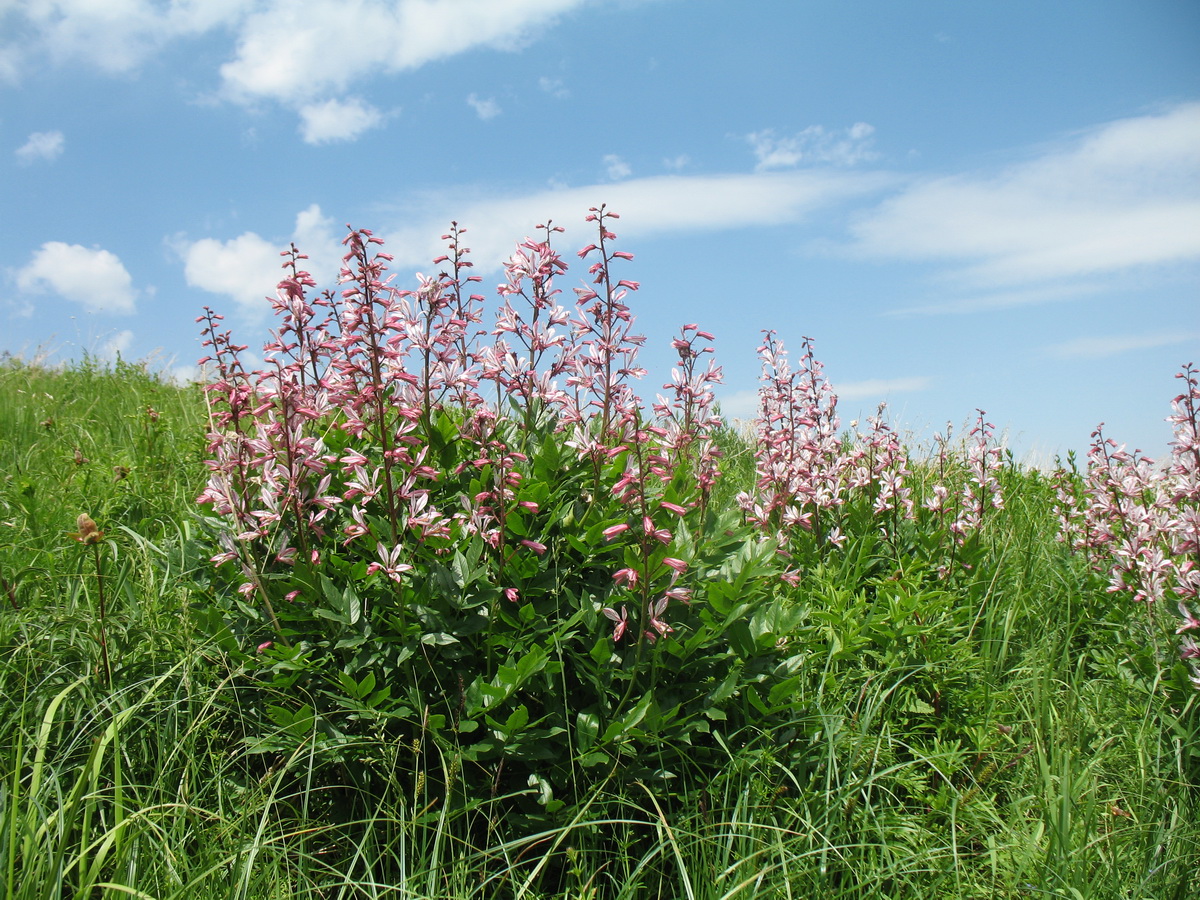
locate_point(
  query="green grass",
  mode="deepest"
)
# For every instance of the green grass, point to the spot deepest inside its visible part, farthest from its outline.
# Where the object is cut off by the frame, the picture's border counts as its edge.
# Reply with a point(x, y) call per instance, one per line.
point(1017, 733)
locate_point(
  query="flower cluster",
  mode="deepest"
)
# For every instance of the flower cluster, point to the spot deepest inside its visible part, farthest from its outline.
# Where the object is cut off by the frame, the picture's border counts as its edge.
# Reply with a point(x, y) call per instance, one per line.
point(1138, 522)
point(800, 460)
point(810, 477)
point(333, 442)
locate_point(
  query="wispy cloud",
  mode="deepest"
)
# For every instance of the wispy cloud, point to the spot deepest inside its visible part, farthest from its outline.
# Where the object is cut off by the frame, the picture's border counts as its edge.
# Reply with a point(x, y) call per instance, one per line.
point(744, 405)
point(1115, 345)
point(997, 300)
point(337, 120)
point(616, 167)
point(89, 276)
point(652, 205)
point(1123, 195)
point(881, 387)
point(740, 405)
point(42, 146)
point(116, 344)
point(554, 87)
point(815, 144)
point(114, 37)
point(485, 109)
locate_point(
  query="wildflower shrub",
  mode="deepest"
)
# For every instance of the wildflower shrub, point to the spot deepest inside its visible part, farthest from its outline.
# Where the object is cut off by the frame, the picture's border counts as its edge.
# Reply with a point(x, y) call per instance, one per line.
point(481, 542)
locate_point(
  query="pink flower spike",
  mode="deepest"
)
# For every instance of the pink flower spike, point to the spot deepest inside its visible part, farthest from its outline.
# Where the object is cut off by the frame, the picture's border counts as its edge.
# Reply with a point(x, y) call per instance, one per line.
point(613, 530)
point(674, 507)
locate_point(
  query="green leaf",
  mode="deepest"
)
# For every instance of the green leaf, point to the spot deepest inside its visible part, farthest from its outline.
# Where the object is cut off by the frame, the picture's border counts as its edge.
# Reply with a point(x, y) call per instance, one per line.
point(630, 720)
point(545, 792)
point(517, 721)
point(587, 727)
point(602, 651)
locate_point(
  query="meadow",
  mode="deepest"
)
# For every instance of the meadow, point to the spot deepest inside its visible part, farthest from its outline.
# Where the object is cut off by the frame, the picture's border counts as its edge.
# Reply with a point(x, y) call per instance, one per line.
point(430, 604)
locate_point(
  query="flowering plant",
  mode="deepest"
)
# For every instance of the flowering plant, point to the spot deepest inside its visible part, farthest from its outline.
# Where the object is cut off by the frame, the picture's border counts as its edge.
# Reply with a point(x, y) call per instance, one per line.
point(1138, 522)
point(482, 541)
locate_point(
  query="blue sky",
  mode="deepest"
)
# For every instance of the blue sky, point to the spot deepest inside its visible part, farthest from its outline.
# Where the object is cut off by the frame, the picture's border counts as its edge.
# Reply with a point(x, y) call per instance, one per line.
point(965, 205)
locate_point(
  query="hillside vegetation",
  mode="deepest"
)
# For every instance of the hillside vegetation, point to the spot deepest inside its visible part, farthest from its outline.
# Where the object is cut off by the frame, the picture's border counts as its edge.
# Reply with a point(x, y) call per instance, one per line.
point(466, 618)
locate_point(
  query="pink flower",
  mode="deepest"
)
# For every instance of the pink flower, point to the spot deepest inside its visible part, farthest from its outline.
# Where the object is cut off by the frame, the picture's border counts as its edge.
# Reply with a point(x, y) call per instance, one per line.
point(535, 546)
point(622, 622)
point(389, 562)
point(658, 628)
point(662, 535)
point(677, 564)
point(627, 577)
point(613, 530)
point(1189, 619)
point(512, 595)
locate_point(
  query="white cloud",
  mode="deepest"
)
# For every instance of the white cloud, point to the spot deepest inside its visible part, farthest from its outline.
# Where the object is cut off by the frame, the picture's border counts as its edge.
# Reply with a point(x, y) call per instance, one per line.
point(42, 145)
point(95, 278)
point(485, 109)
point(654, 205)
point(337, 120)
point(616, 167)
point(245, 268)
point(294, 50)
point(1124, 195)
point(678, 163)
point(1100, 347)
point(841, 147)
point(317, 238)
point(183, 374)
point(248, 267)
